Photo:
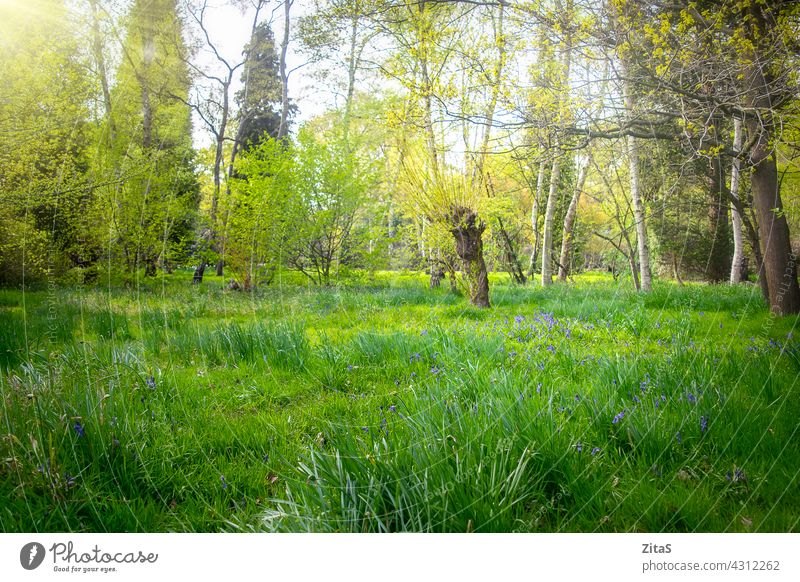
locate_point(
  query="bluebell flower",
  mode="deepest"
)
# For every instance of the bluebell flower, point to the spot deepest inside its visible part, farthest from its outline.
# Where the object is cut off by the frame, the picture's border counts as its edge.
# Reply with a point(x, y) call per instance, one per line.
point(151, 382)
point(349, 367)
point(618, 417)
point(579, 447)
point(539, 388)
point(703, 424)
point(392, 408)
point(691, 398)
point(519, 318)
point(79, 429)
point(595, 450)
point(224, 482)
point(365, 429)
point(678, 437)
point(551, 349)
point(423, 332)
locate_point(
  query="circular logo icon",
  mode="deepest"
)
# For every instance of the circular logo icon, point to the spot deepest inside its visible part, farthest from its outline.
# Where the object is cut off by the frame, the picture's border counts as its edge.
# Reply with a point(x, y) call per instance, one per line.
point(31, 555)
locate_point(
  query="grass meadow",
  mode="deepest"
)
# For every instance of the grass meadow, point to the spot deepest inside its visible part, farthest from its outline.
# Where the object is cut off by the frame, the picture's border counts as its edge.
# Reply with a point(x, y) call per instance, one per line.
point(385, 406)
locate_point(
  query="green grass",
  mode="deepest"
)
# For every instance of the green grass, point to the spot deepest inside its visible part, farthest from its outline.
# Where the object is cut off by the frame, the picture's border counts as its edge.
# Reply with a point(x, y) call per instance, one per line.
point(384, 406)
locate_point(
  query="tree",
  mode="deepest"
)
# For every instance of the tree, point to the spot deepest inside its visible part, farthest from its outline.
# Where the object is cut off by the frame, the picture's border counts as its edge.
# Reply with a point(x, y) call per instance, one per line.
point(738, 66)
point(156, 204)
point(46, 203)
point(214, 109)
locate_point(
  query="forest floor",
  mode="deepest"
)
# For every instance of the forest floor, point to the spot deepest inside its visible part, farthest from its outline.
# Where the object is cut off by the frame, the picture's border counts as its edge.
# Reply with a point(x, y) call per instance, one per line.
point(387, 406)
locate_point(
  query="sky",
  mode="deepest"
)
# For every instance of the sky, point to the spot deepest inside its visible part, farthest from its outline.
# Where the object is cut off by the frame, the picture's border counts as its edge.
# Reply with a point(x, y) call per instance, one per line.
point(229, 28)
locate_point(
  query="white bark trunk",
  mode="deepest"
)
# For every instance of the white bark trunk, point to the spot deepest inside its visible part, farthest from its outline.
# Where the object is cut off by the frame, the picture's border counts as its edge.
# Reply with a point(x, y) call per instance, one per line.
point(537, 198)
point(569, 223)
point(738, 239)
point(636, 199)
point(549, 215)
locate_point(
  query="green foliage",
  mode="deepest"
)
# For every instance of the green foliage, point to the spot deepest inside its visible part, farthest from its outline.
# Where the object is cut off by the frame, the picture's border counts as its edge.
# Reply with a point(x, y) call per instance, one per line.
point(45, 201)
point(299, 206)
point(152, 210)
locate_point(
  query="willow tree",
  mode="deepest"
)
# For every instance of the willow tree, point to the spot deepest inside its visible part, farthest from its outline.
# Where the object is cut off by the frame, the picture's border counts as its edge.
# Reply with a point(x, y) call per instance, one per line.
point(449, 197)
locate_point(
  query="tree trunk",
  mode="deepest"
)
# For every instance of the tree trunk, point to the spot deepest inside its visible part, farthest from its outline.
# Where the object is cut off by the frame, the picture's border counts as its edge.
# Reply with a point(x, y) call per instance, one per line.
point(738, 238)
point(283, 128)
point(780, 267)
point(537, 235)
point(676, 270)
point(549, 216)
point(569, 224)
point(468, 232)
point(451, 275)
point(100, 61)
point(636, 197)
point(718, 263)
point(512, 260)
point(197, 278)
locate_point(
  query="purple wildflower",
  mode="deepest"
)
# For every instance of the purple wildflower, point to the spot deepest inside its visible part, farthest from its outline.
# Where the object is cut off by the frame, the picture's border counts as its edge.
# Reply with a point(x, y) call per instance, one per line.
point(678, 437)
point(595, 450)
point(224, 482)
point(579, 447)
point(691, 398)
point(79, 429)
point(703, 424)
point(151, 382)
point(539, 388)
point(618, 417)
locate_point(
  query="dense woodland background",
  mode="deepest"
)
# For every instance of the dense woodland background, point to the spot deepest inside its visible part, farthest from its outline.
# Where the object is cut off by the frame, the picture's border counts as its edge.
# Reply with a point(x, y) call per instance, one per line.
point(542, 138)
